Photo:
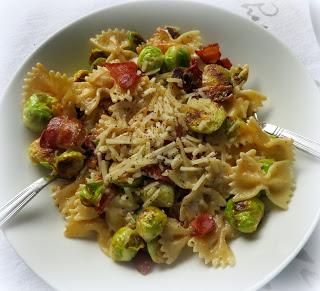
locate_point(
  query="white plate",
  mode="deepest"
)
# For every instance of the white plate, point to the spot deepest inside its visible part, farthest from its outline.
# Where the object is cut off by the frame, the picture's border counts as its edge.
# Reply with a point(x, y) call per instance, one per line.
point(71, 264)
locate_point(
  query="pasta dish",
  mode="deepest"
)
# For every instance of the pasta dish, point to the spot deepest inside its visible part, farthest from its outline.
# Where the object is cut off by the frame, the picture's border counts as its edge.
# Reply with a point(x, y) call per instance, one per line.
point(159, 148)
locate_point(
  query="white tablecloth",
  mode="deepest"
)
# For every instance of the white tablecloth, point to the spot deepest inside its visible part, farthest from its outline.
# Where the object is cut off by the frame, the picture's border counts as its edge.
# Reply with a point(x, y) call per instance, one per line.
point(24, 24)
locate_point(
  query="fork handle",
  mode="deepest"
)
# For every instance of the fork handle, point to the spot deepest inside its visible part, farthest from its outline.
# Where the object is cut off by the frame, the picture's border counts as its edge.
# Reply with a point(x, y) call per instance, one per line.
point(305, 144)
point(8, 210)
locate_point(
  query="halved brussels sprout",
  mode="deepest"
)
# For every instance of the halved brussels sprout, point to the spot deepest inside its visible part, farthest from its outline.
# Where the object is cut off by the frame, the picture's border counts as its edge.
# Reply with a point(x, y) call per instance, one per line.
point(69, 164)
point(98, 62)
point(204, 116)
point(125, 244)
point(150, 223)
point(80, 75)
point(155, 252)
point(96, 54)
point(134, 39)
point(244, 215)
point(37, 111)
point(150, 59)
point(41, 156)
point(164, 198)
point(176, 56)
point(215, 75)
point(91, 193)
point(239, 75)
point(266, 164)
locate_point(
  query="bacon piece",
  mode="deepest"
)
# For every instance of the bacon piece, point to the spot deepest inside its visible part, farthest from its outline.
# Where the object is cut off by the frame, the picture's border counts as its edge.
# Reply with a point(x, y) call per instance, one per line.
point(218, 93)
point(62, 132)
point(143, 263)
point(106, 199)
point(210, 54)
point(203, 224)
point(191, 77)
point(154, 172)
point(225, 62)
point(125, 74)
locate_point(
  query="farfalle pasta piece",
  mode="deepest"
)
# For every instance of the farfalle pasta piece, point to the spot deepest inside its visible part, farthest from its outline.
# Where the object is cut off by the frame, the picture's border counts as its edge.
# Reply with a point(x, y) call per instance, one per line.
point(76, 211)
point(115, 43)
point(83, 95)
point(163, 40)
point(248, 180)
point(85, 228)
point(213, 247)
point(40, 80)
point(173, 239)
point(100, 78)
point(254, 98)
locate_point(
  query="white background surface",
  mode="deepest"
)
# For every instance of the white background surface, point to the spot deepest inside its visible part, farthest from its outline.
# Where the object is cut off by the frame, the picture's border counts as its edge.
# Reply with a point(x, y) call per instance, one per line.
point(25, 24)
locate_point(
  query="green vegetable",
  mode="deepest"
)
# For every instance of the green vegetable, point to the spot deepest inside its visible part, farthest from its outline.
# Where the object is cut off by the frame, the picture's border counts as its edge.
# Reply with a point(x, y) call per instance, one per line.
point(245, 215)
point(98, 62)
point(154, 251)
point(176, 56)
point(204, 116)
point(233, 126)
point(266, 164)
point(164, 198)
point(239, 75)
point(96, 54)
point(123, 182)
point(215, 75)
point(37, 111)
point(91, 193)
point(134, 39)
point(150, 223)
point(125, 244)
point(69, 164)
point(80, 75)
point(150, 59)
point(41, 156)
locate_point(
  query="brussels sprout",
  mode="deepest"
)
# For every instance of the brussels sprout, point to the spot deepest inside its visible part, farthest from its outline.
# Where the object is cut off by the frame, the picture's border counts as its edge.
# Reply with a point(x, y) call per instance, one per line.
point(154, 251)
point(37, 111)
point(239, 75)
point(98, 62)
point(215, 75)
point(244, 215)
point(150, 59)
point(204, 116)
point(91, 193)
point(164, 198)
point(69, 164)
point(123, 182)
point(96, 54)
point(266, 164)
point(150, 222)
point(80, 75)
point(134, 39)
point(125, 244)
point(176, 56)
point(41, 156)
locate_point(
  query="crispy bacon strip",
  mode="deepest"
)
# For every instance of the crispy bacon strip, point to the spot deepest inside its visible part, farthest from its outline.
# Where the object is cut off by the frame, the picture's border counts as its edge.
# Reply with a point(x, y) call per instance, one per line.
point(125, 74)
point(203, 224)
point(62, 132)
point(225, 62)
point(210, 54)
point(143, 263)
point(191, 77)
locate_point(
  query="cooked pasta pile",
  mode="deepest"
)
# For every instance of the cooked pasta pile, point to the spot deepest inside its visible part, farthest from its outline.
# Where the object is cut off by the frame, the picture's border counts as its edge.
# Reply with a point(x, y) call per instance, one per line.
point(160, 138)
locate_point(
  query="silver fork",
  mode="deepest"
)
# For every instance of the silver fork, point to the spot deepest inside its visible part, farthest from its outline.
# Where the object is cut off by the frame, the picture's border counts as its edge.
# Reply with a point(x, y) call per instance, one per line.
point(305, 144)
point(13, 206)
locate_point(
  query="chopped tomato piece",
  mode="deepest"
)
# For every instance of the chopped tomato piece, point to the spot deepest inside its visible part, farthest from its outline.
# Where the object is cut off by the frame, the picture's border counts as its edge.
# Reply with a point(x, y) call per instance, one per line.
point(210, 54)
point(62, 132)
point(203, 224)
point(225, 62)
point(125, 74)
